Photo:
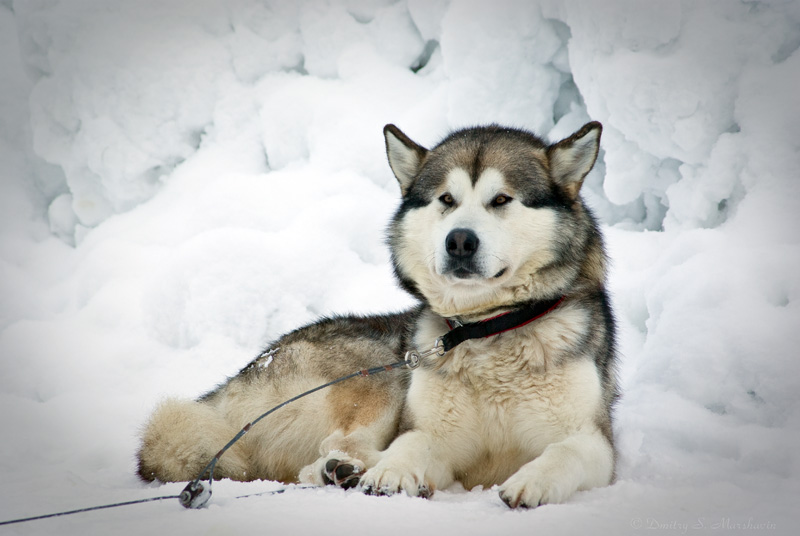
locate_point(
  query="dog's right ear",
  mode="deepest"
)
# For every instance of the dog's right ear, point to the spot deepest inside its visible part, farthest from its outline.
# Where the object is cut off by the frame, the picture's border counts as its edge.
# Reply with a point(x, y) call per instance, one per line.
point(405, 156)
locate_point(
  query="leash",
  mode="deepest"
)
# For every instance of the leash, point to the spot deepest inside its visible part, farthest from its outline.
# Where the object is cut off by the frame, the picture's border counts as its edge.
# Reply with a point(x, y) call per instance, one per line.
point(89, 509)
point(196, 494)
point(140, 501)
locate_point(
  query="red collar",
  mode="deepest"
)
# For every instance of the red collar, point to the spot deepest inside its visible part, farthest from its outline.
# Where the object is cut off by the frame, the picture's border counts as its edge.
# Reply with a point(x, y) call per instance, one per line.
point(498, 324)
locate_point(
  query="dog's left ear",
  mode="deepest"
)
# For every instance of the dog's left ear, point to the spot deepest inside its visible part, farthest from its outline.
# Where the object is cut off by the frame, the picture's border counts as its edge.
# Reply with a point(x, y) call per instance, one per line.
point(572, 158)
point(405, 156)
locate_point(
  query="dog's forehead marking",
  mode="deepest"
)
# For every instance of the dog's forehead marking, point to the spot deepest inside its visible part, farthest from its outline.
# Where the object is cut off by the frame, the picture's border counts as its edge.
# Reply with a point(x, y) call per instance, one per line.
point(492, 181)
point(518, 162)
point(489, 183)
point(458, 182)
point(501, 152)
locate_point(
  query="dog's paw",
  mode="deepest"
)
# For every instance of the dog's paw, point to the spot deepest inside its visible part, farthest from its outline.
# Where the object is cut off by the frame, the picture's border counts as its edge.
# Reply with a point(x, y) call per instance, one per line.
point(343, 473)
point(337, 468)
point(526, 490)
point(386, 481)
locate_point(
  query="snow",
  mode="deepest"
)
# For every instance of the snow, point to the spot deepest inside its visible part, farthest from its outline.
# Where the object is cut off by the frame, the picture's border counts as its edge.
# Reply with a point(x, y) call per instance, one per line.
point(183, 182)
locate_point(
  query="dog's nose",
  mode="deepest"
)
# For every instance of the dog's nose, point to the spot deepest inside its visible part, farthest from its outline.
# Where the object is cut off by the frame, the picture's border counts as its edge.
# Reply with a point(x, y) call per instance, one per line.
point(461, 243)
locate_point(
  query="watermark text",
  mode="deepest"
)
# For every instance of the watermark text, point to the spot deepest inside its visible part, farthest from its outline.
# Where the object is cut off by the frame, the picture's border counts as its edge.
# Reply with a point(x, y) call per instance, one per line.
point(702, 523)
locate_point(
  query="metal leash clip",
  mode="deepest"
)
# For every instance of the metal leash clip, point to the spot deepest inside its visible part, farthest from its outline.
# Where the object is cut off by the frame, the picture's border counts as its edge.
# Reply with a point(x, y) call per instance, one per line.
point(414, 357)
point(195, 495)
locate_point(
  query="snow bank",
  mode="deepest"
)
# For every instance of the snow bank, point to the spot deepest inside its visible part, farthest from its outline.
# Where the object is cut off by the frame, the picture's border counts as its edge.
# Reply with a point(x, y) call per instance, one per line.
point(183, 182)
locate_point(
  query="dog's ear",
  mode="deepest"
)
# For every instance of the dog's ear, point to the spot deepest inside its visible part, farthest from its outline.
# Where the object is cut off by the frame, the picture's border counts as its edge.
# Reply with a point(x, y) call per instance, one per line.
point(572, 158)
point(405, 156)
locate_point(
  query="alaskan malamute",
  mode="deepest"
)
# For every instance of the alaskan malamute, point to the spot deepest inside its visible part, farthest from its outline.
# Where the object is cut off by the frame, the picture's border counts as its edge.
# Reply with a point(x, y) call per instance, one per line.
point(508, 264)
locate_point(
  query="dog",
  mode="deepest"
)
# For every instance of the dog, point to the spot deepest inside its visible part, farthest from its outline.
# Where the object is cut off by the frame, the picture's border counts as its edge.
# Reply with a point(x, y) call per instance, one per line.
point(494, 240)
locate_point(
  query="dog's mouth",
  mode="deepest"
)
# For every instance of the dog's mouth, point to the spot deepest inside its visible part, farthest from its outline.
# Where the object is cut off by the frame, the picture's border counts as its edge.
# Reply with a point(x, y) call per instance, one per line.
point(465, 273)
point(462, 269)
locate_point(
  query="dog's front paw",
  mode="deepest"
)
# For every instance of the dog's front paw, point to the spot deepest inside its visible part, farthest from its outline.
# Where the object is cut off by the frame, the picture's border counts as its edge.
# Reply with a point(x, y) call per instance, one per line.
point(528, 489)
point(336, 468)
point(388, 481)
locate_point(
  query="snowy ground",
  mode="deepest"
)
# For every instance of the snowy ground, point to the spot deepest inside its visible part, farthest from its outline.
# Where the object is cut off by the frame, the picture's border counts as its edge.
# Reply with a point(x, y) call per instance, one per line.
point(183, 181)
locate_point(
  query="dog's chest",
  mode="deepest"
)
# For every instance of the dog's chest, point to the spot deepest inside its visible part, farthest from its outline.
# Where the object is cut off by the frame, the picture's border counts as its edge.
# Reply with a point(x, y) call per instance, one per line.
point(506, 398)
point(522, 389)
point(535, 407)
point(512, 422)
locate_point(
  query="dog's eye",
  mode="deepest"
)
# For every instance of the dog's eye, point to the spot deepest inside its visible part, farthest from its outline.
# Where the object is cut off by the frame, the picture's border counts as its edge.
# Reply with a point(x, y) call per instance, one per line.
point(500, 200)
point(447, 199)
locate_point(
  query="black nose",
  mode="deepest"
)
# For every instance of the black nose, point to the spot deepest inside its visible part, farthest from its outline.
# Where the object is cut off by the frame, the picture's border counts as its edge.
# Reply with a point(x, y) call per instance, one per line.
point(461, 243)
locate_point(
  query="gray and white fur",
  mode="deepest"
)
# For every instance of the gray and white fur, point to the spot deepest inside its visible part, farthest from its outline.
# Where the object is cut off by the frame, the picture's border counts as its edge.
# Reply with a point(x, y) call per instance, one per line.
point(491, 219)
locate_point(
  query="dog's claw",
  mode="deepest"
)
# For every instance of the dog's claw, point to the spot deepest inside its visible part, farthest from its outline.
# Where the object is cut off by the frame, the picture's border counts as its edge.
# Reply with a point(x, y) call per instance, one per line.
point(517, 502)
point(424, 491)
point(382, 491)
point(513, 502)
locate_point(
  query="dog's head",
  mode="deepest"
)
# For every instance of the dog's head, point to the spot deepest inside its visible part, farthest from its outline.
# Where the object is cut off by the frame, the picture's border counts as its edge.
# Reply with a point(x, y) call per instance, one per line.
point(492, 217)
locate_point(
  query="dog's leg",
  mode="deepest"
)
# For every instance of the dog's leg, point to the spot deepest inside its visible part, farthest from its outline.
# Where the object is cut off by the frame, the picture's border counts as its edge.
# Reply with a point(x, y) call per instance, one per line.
point(182, 437)
point(345, 457)
point(579, 462)
point(365, 417)
point(442, 439)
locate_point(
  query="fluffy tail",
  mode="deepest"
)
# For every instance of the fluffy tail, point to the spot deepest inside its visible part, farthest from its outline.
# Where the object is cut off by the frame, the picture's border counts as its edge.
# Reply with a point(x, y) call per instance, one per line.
point(181, 438)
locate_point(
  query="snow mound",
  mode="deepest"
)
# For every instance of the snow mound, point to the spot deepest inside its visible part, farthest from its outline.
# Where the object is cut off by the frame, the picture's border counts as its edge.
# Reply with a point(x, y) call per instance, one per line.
point(184, 181)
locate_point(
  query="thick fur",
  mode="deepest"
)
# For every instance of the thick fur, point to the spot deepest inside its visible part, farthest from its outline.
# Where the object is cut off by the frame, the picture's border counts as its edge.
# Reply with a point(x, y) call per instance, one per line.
point(490, 219)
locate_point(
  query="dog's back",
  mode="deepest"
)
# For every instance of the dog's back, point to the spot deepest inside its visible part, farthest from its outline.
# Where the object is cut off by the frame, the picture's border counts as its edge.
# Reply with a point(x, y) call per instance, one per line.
point(182, 436)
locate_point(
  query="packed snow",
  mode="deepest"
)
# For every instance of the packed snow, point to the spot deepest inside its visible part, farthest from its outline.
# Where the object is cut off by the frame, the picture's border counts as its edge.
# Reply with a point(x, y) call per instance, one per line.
point(182, 182)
